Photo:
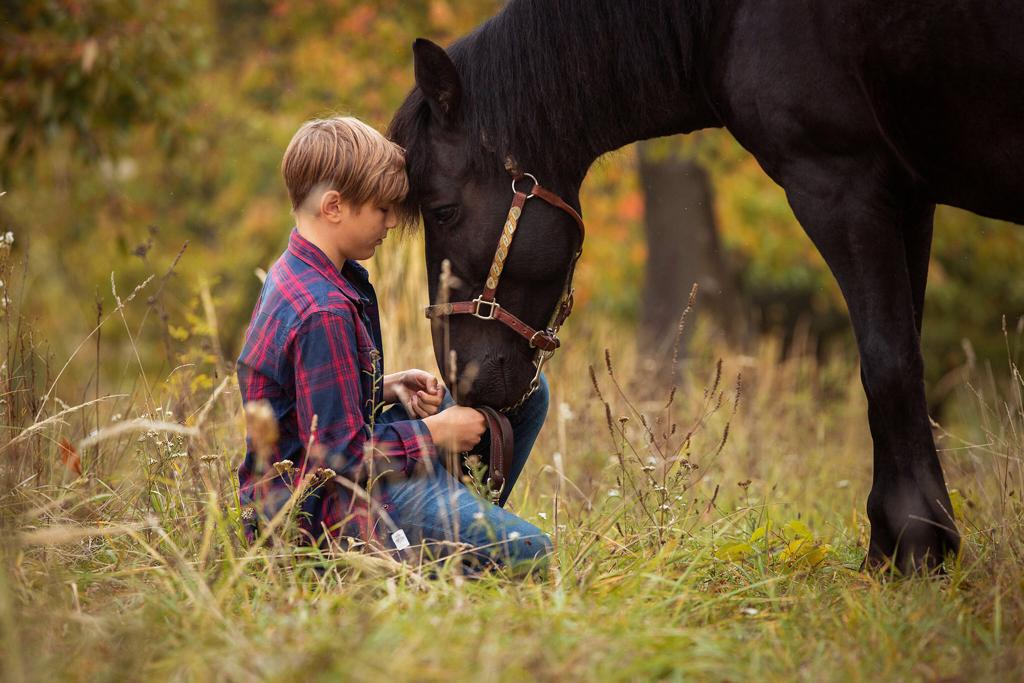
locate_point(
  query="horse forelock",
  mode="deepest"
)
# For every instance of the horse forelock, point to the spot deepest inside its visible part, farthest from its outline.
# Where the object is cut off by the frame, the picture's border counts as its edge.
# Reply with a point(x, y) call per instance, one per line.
point(409, 129)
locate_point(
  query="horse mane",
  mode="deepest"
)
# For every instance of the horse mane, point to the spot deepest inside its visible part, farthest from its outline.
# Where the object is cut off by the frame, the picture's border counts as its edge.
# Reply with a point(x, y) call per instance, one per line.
point(581, 71)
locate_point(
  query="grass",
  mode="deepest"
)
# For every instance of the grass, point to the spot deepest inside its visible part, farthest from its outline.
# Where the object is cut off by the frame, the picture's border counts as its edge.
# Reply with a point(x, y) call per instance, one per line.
point(713, 535)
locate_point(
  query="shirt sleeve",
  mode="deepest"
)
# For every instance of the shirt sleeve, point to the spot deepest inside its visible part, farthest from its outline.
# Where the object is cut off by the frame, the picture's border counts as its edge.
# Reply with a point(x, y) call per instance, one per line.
point(328, 385)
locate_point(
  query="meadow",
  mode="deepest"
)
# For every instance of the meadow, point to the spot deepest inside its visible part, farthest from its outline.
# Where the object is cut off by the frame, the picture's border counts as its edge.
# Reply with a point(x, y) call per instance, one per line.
point(708, 523)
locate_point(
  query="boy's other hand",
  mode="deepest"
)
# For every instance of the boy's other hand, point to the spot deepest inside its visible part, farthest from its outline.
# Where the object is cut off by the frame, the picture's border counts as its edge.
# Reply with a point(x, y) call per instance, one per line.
point(457, 428)
point(417, 390)
point(425, 392)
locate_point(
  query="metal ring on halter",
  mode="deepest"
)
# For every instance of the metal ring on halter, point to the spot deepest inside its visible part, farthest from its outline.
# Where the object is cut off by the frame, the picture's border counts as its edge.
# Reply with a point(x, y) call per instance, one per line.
point(525, 175)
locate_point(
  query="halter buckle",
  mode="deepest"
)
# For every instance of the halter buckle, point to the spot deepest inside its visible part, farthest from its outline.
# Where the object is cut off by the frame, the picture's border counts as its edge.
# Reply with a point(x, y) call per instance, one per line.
point(539, 333)
point(492, 312)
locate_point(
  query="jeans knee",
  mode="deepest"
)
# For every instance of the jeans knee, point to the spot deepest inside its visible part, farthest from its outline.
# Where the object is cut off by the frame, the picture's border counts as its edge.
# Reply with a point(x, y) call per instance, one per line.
point(528, 544)
point(530, 418)
point(542, 395)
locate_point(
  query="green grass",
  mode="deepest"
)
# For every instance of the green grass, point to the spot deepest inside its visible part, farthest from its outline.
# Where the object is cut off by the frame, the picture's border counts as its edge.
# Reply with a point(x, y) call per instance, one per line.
point(135, 570)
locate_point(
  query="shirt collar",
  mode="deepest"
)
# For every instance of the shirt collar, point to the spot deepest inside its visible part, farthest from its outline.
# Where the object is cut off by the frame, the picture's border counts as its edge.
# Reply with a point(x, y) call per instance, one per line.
point(311, 255)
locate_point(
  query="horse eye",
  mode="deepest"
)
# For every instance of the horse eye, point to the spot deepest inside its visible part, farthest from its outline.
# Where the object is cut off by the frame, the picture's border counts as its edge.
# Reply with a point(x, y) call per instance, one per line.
point(445, 215)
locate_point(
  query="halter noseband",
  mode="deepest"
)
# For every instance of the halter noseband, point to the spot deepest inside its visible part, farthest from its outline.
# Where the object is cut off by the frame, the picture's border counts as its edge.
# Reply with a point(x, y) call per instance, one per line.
point(486, 307)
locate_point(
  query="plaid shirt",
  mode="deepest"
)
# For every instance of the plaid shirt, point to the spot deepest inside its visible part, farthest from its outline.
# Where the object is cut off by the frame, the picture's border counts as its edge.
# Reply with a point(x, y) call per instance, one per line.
point(313, 349)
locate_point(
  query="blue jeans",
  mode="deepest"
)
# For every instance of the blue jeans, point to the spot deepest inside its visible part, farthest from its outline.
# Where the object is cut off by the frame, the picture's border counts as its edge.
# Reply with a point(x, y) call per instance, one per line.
point(439, 512)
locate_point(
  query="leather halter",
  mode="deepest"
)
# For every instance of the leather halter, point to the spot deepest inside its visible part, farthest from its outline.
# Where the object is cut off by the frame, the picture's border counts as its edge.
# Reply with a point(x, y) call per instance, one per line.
point(486, 307)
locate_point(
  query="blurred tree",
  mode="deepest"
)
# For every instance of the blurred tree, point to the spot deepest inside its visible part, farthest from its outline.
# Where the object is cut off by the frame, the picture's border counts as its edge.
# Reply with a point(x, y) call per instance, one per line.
point(83, 72)
point(683, 247)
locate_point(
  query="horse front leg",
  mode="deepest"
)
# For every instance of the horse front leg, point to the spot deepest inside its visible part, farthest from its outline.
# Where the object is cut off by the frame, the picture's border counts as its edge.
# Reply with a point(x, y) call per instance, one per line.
point(874, 248)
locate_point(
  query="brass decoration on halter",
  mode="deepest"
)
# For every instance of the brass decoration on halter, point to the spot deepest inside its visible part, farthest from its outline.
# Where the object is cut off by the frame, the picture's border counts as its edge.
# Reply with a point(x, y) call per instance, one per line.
point(498, 266)
point(504, 243)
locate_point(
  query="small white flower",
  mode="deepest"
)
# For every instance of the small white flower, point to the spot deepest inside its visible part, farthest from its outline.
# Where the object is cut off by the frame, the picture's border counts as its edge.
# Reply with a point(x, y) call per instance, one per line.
point(9, 238)
point(614, 493)
point(749, 611)
point(513, 536)
point(542, 515)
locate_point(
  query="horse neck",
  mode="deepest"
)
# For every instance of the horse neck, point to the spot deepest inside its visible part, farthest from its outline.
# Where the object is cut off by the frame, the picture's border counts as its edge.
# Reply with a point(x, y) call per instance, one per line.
point(616, 75)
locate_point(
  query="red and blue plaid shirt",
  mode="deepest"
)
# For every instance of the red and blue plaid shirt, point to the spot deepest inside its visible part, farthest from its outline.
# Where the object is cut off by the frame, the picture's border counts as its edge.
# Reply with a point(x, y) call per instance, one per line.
point(313, 349)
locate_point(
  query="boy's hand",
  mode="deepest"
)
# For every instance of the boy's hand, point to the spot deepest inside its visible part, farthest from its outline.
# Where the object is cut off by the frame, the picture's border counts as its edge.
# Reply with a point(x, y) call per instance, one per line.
point(418, 391)
point(457, 428)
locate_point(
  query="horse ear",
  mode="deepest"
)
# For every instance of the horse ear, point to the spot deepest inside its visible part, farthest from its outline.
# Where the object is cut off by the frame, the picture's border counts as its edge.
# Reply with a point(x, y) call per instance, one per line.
point(437, 78)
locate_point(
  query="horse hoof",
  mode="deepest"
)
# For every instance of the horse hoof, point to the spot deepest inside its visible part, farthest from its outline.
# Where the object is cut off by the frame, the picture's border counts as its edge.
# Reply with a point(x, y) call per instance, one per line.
point(921, 547)
point(885, 566)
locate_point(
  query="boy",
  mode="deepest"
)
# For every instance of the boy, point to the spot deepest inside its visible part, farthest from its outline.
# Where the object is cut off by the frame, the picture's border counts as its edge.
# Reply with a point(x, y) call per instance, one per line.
point(313, 353)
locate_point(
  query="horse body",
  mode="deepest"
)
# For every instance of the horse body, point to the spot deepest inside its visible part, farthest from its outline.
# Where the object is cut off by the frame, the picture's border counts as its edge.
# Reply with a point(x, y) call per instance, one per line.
point(930, 90)
point(866, 114)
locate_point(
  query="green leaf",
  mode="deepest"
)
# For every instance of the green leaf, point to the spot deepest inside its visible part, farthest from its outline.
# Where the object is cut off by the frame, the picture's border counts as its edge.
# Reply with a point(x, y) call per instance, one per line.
point(760, 532)
point(734, 552)
point(795, 529)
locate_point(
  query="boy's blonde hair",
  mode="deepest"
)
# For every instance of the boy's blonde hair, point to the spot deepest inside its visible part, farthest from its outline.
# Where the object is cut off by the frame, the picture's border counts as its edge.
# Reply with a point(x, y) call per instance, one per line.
point(346, 155)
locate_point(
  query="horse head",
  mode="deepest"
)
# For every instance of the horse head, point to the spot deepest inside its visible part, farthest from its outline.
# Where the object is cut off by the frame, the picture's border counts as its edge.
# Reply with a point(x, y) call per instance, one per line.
point(463, 182)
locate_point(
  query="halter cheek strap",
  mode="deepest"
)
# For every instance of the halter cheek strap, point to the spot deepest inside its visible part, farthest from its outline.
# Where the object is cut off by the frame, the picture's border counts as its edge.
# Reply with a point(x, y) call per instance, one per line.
point(486, 307)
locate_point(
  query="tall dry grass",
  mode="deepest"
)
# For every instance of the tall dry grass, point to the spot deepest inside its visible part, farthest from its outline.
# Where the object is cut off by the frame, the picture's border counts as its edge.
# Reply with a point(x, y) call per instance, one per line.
point(708, 524)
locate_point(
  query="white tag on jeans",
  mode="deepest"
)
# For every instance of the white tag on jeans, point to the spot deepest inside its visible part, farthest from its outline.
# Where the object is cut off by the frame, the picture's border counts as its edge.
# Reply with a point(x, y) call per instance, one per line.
point(400, 540)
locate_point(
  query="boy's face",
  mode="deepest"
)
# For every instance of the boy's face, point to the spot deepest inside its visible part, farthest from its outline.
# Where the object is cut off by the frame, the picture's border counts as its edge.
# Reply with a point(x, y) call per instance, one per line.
point(355, 231)
point(363, 229)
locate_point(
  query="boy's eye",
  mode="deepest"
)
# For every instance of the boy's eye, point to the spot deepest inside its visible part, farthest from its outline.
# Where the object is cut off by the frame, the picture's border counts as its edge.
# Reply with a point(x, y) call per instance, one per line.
point(445, 214)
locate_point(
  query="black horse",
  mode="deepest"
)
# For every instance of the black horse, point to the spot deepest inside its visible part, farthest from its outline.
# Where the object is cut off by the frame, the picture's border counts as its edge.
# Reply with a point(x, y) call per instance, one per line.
point(867, 112)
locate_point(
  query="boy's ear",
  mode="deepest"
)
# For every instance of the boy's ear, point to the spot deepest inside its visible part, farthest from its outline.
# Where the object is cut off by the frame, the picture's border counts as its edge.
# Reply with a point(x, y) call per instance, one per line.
point(331, 206)
point(437, 79)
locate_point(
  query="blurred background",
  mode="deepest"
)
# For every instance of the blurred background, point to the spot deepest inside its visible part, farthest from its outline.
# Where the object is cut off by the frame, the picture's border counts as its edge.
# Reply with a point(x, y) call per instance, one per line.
point(129, 129)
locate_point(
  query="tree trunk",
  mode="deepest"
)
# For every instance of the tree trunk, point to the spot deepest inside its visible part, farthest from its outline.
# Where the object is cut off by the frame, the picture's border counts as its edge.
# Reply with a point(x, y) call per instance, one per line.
point(682, 248)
